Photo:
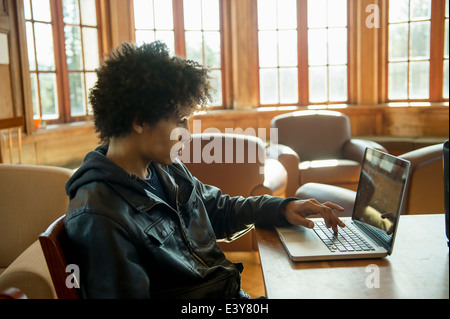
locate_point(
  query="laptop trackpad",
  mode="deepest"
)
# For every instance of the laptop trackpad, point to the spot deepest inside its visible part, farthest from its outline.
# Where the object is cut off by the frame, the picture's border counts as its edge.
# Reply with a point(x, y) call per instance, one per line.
point(302, 241)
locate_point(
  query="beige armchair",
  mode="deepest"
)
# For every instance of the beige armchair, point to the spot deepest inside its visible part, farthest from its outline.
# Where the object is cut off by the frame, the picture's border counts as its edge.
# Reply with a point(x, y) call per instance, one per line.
point(236, 164)
point(424, 192)
point(322, 143)
point(32, 198)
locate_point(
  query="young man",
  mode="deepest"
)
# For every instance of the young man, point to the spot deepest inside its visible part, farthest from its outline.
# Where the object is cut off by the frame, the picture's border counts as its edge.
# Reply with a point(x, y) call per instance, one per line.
point(139, 224)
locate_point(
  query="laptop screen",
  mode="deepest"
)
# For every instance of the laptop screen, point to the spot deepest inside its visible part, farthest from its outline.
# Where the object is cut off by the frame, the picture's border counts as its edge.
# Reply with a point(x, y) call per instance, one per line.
point(380, 193)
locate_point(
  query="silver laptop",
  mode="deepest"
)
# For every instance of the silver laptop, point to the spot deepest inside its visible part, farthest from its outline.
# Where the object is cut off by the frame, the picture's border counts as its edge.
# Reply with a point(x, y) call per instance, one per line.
point(370, 232)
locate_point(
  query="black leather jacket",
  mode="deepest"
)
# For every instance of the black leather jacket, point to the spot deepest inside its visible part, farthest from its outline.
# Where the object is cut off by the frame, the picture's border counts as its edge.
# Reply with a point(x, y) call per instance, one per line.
point(128, 243)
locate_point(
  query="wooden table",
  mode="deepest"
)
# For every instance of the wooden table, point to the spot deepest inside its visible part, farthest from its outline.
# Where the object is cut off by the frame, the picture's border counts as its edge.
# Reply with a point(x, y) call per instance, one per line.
point(418, 267)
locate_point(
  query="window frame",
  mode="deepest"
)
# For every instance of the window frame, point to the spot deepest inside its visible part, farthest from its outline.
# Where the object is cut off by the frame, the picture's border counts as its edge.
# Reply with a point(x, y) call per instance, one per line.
point(303, 60)
point(61, 68)
point(437, 34)
point(180, 42)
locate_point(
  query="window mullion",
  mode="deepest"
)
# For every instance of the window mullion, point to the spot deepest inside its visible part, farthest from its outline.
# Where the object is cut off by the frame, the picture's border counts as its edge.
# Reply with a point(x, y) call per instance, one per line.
point(178, 26)
point(303, 82)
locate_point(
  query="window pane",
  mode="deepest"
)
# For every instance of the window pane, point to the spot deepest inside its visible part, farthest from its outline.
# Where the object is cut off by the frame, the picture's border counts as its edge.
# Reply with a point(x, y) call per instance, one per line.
point(41, 10)
point(420, 9)
point(145, 36)
point(337, 13)
point(419, 80)
point(47, 82)
point(446, 39)
point(288, 85)
point(446, 76)
point(34, 95)
point(287, 48)
point(398, 11)
point(73, 48)
point(91, 79)
point(337, 46)
point(398, 41)
point(212, 49)
point(317, 18)
point(88, 12)
point(287, 14)
point(338, 83)
point(27, 9)
point(398, 81)
point(318, 87)
point(211, 19)
point(317, 47)
point(194, 45)
point(164, 16)
point(71, 12)
point(77, 94)
point(90, 44)
point(216, 82)
point(268, 86)
point(420, 40)
point(44, 47)
point(192, 14)
point(268, 48)
point(266, 18)
point(30, 46)
point(168, 38)
point(143, 14)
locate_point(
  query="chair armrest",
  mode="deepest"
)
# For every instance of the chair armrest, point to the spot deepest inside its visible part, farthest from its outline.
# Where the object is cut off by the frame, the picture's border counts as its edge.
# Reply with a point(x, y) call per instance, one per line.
point(29, 273)
point(329, 193)
point(290, 161)
point(275, 177)
point(355, 148)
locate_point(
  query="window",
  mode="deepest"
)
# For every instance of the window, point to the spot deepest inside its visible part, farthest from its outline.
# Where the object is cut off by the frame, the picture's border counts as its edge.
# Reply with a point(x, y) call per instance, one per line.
point(411, 48)
point(198, 39)
point(203, 39)
point(150, 27)
point(63, 53)
point(327, 50)
point(278, 60)
point(282, 68)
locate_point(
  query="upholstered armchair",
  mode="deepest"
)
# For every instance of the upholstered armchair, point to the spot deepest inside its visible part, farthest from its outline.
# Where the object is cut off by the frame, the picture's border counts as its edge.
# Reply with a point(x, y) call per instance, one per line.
point(237, 164)
point(31, 198)
point(322, 144)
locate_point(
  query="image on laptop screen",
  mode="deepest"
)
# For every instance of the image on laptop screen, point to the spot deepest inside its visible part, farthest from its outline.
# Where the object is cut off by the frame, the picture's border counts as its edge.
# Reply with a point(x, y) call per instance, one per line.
point(378, 203)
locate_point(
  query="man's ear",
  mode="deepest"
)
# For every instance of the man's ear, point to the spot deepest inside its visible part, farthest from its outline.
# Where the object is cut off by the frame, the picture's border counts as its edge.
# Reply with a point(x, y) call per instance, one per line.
point(138, 126)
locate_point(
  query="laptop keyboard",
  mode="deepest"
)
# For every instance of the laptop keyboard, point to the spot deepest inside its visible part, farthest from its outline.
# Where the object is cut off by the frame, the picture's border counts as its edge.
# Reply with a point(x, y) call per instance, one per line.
point(347, 239)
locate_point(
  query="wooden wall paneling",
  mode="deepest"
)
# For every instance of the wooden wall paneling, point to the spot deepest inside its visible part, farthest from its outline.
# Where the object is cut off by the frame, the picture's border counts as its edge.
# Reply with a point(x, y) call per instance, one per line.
point(366, 56)
point(6, 99)
point(436, 60)
point(11, 103)
point(121, 21)
point(244, 53)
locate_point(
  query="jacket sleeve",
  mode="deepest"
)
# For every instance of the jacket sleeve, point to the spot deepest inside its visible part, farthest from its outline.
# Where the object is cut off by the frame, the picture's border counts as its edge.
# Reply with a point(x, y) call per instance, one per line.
point(109, 262)
point(233, 216)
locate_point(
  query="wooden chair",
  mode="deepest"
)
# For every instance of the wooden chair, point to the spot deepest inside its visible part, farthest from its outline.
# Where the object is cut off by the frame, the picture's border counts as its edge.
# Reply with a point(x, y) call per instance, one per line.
point(52, 243)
